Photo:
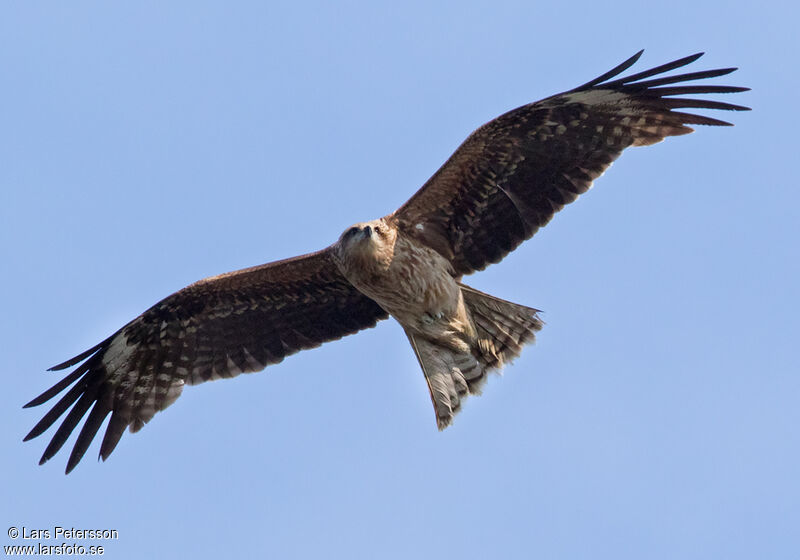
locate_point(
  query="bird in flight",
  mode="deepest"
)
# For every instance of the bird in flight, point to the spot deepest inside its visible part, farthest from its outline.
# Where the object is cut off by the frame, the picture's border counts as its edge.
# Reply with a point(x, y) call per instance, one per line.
point(505, 181)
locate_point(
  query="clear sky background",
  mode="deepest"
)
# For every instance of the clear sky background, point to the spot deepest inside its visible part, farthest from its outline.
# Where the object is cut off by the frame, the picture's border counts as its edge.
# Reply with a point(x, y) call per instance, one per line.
point(145, 145)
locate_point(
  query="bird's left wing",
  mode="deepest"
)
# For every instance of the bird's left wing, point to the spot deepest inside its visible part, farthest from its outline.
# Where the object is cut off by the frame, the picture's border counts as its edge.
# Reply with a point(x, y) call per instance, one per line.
point(216, 328)
point(511, 175)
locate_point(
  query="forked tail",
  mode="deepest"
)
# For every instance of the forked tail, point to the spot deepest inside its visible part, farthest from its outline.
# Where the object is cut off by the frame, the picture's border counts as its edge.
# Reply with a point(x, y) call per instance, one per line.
point(502, 329)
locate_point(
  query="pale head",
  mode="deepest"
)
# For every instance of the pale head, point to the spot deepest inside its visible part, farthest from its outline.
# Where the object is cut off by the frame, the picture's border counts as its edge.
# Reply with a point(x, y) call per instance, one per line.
point(367, 242)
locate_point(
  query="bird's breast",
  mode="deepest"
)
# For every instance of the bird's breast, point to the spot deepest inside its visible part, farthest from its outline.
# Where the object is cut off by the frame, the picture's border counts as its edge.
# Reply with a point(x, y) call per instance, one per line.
point(415, 285)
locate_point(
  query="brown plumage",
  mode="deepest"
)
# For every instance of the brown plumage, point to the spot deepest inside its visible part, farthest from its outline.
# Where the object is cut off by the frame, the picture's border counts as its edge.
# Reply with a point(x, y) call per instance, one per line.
point(501, 185)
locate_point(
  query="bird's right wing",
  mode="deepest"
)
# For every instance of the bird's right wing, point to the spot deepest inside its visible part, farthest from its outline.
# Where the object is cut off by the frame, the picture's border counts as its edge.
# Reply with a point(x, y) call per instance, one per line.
point(215, 328)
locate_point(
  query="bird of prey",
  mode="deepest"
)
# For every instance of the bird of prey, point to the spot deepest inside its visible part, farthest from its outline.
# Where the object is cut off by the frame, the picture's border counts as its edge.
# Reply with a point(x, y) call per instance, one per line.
point(505, 181)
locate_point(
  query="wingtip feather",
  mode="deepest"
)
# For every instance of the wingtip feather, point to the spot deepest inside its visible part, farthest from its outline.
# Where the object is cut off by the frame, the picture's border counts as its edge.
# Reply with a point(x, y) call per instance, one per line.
point(618, 69)
point(57, 388)
point(82, 356)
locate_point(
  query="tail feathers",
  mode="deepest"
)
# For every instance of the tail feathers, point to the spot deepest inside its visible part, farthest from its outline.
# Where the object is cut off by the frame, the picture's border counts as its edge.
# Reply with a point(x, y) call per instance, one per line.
point(502, 329)
point(448, 374)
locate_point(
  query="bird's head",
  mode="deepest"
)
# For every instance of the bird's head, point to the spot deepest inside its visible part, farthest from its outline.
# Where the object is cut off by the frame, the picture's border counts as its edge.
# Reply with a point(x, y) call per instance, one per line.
point(367, 241)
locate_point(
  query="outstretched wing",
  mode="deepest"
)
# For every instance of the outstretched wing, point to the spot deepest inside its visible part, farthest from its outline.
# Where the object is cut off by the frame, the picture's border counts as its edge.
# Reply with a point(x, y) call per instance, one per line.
point(514, 173)
point(216, 328)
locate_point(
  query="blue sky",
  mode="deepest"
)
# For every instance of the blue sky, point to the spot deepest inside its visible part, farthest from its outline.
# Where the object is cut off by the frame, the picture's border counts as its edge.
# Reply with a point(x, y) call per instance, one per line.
point(147, 145)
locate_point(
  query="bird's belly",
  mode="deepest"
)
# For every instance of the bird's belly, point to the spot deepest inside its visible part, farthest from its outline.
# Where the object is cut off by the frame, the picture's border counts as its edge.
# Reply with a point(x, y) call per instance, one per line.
point(420, 302)
point(419, 291)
